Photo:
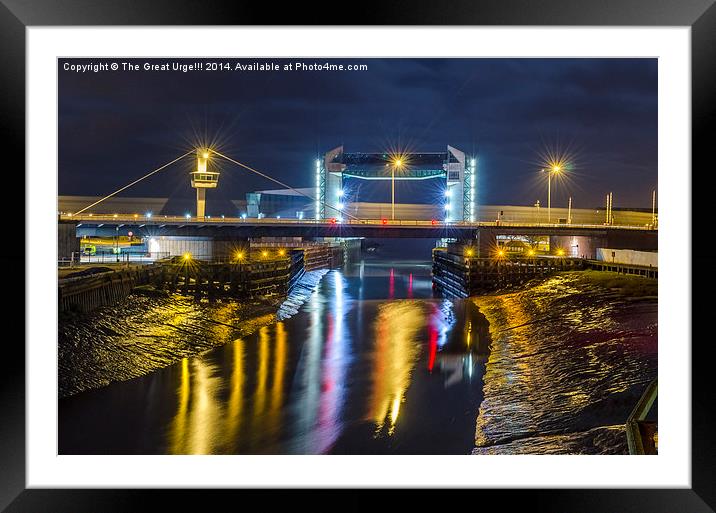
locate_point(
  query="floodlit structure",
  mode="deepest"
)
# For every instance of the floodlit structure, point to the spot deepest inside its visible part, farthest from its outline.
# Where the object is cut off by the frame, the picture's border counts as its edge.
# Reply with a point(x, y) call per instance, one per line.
point(203, 179)
point(458, 172)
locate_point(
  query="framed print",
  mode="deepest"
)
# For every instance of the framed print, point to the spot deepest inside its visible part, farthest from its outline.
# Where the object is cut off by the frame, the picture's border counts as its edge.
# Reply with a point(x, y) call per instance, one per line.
point(417, 250)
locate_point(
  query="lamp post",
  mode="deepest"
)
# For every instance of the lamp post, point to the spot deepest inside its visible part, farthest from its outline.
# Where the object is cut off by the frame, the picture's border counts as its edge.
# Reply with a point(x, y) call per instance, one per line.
point(396, 163)
point(553, 170)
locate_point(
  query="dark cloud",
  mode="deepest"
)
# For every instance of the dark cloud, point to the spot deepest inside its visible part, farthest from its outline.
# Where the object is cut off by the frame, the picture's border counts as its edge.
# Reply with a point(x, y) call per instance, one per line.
point(114, 126)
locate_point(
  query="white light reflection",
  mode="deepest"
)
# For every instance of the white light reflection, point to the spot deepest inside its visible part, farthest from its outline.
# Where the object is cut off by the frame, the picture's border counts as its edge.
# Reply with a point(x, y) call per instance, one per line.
point(445, 322)
point(334, 368)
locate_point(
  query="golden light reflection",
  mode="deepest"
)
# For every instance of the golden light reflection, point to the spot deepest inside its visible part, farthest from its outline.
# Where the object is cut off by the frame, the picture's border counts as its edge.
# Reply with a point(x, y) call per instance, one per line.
point(279, 367)
point(236, 399)
point(507, 316)
point(223, 314)
point(178, 428)
point(396, 352)
point(196, 426)
point(205, 412)
point(260, 394)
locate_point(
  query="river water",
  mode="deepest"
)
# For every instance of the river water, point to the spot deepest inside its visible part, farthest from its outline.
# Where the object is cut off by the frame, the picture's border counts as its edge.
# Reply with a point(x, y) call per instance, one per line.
point(365, 362)
point(369, 363)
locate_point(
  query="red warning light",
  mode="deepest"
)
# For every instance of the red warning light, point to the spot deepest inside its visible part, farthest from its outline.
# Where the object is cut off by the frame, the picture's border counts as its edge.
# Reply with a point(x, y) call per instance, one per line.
point(332, 220)
point(434, 221)
point(384, 221)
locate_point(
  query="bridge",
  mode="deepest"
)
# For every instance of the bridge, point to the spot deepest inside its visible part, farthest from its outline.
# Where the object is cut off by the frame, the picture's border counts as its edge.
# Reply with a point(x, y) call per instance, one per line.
point(333, 219)
point(585, 236)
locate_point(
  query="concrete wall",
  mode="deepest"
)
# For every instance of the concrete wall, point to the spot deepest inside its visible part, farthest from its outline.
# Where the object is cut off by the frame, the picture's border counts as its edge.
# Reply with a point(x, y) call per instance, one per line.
point(628, 256)
point(67, 240)
point(576, 246)
point(199, 247)
point(586, 247)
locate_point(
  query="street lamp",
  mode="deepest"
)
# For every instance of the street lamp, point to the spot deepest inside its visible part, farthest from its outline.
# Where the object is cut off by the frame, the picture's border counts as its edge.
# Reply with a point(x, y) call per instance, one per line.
point(396, 163)
point(555, 169)
point(116, 243)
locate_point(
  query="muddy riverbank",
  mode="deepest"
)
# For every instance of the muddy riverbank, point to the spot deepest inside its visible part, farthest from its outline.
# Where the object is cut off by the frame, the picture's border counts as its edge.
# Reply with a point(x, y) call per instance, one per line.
point(569, 359)
point(147, 331)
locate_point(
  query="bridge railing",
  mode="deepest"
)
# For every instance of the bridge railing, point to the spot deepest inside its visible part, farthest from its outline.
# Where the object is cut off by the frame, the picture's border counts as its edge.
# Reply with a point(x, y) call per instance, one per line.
point(137, 219)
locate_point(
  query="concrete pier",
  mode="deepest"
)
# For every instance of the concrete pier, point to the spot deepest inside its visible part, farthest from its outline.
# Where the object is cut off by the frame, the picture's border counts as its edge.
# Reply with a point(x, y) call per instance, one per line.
point(258, 272)
point(85, 292)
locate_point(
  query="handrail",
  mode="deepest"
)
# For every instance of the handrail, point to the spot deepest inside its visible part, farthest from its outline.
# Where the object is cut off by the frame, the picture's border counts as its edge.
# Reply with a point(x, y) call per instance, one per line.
point(137, 219)
point(638, 414)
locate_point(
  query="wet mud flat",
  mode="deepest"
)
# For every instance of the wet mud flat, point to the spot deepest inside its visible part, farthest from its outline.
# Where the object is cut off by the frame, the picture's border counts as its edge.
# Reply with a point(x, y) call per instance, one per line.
point(569, 359)
point(148, 331)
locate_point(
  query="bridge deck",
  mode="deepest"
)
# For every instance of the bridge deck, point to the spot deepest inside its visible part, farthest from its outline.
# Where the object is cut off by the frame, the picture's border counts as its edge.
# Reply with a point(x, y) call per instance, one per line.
point(114, 219)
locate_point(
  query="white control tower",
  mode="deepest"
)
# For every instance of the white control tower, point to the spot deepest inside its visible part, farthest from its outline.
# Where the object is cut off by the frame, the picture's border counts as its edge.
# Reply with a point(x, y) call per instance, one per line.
point(203, 179)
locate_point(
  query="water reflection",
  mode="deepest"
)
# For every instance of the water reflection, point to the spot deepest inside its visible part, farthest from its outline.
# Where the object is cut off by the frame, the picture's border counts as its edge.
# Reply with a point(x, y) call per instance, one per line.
point(308, 383)
point(197, 422)
point(342, 375)
point(395, 354)
point(461, 350)
point(334, 368)
point(236, 397)
point(178, 431)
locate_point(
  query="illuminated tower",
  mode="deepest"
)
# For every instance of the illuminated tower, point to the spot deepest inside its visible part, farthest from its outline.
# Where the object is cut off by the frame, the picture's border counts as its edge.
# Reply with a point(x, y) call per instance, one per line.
point(203, 179)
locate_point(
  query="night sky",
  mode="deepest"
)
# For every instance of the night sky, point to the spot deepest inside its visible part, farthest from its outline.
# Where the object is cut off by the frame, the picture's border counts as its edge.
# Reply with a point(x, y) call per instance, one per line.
point(116, 126)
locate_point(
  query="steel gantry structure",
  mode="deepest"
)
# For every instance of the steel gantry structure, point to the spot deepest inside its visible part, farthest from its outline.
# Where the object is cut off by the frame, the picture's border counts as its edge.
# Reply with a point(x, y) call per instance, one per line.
point(458, 172)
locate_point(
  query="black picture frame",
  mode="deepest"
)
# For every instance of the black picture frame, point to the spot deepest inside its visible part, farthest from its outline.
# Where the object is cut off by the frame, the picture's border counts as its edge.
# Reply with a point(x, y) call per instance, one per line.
point(700, 15)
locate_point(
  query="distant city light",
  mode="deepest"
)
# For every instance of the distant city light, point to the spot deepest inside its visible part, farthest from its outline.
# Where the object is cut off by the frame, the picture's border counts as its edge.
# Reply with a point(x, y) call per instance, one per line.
point(243, 216)
point(340, 193)
point(188, 216)
point(148, 215)
point(341, 206)
point(447, 194)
